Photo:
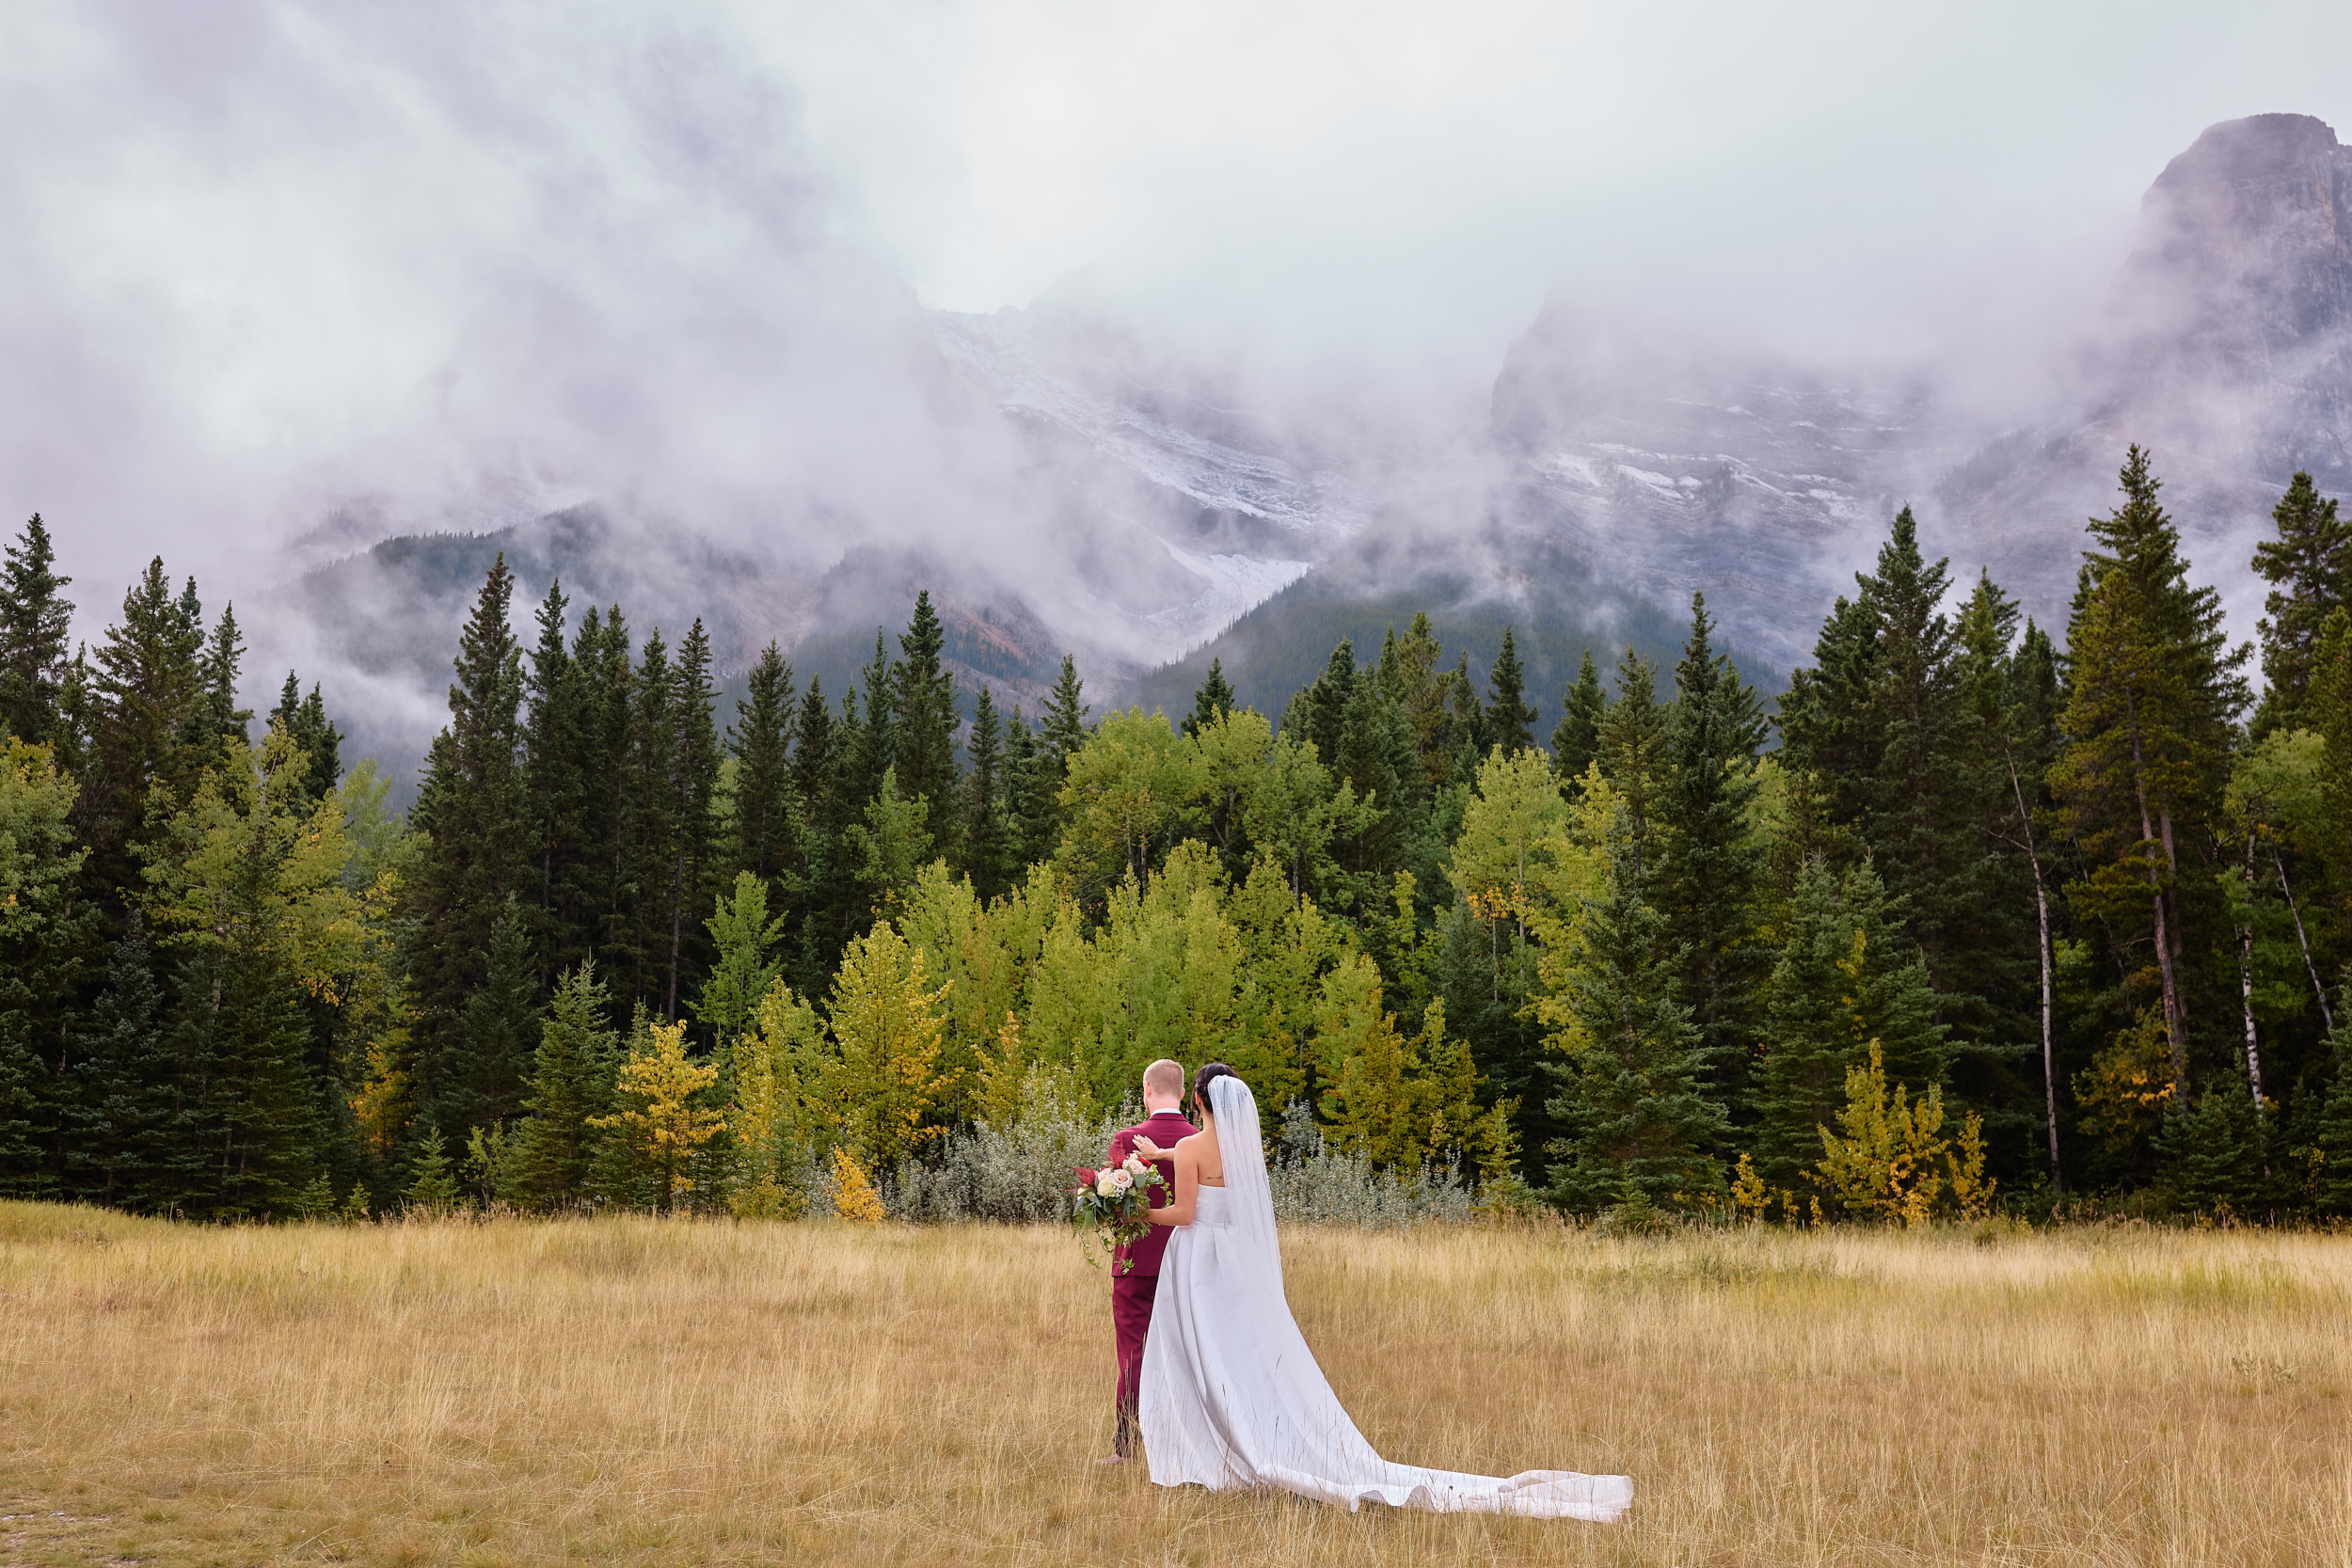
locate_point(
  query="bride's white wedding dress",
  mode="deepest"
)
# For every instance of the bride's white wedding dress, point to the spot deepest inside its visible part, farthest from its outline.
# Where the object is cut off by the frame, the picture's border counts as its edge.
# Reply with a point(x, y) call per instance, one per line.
point(1232, 1397)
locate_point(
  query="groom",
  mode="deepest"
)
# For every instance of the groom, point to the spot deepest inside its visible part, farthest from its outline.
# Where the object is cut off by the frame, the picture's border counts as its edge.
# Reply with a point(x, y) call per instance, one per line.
point(1133, 1287)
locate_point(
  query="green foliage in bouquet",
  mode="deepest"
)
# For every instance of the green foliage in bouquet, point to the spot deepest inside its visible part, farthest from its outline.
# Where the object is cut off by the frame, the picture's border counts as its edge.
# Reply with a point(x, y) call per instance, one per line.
point(1113, 1208)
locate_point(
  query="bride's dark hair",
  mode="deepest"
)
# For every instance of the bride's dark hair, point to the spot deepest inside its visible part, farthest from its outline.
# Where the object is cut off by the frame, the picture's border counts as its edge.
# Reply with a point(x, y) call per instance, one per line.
point(1201, 1080)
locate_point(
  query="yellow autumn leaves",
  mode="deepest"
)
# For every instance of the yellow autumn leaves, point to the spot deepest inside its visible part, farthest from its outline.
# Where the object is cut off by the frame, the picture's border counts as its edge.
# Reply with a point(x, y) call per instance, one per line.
point(866, 1083)
point(861, 1085)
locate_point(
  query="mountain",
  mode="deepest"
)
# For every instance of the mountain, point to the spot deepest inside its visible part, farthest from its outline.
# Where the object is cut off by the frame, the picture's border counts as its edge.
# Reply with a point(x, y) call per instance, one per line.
point(2226, 347)
point(1556, 610)
point(1146, 512)
point(1750, 480)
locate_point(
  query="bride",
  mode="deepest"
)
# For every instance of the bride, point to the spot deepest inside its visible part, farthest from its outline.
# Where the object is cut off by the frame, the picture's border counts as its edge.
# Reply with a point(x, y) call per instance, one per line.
point(1232, 1395)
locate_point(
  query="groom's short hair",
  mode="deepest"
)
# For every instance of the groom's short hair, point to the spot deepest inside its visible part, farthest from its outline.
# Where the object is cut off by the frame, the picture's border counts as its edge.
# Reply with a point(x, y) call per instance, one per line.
point(1164, 1077)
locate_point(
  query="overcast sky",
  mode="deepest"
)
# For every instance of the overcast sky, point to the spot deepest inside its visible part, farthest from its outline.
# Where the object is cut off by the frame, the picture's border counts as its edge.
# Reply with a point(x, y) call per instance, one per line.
point(1366, 169)
point(260, 259)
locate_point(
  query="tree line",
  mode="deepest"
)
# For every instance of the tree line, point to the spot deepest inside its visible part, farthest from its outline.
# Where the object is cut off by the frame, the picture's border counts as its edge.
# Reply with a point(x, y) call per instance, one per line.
point(1979, 915)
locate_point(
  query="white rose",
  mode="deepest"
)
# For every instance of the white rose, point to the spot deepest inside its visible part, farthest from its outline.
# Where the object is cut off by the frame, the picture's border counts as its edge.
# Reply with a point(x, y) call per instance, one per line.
point(1103, 1185)
point(1120, 1181)
point(1135, 1166)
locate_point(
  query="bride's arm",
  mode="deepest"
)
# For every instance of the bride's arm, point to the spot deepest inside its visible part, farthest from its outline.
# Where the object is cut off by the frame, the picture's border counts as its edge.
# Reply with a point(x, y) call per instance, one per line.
point(1188, 1186)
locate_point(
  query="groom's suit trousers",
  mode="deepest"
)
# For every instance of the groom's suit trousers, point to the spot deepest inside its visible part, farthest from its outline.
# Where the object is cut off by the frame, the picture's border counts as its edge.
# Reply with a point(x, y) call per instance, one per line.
point(1136, 1271)
point(1131, 1312)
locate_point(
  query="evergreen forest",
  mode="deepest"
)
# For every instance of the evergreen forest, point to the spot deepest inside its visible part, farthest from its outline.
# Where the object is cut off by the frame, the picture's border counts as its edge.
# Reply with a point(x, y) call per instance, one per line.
point(1982, 917)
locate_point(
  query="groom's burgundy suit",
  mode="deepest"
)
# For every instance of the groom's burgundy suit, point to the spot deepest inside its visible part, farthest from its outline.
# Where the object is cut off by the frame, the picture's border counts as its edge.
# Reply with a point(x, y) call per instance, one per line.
point(1132, 1292)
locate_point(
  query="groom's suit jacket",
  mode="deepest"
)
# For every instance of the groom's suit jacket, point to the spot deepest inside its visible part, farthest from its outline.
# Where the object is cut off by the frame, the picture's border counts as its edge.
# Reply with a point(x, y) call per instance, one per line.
point(1162, 1128)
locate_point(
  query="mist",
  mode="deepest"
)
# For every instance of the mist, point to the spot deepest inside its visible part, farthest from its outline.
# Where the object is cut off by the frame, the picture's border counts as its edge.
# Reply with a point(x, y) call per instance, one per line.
point(280, 281)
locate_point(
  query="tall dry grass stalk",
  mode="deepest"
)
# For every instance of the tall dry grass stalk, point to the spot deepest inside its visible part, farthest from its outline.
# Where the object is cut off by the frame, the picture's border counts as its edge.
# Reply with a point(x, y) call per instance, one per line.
point(640, 1391)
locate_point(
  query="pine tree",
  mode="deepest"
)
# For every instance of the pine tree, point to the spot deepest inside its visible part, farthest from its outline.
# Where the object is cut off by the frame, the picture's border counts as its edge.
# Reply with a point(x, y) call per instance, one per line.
point(923, 719)
point(1879, 724)
point(1510, 721)
point(985, 839)
point(813, 770)
point(2309, 567)
point(571, 1081)
point(835, 903)
point(1324, 714)
point(871, 747)
point(1710, 901)
point(695, 782)
point(598, 894)
point(247, 887)
point(496, 1031)
point(1410, 678)
point(2216, 1156)
point(1576, 740)
point(1825, 716)
point(145, 694)
point(218, 721)
point(1894, 1000)
point(435, 1190)
point(2155, 692)
point(555, 787)
point(1214, 700)
point(123, 1081)
point(1807, 1035)
point(650, 810)
point(470, 811)
point(1482, 975)
point(2330, 714)
point(1366, 741)
point(1632, 1095)
point(1470, 722)
point(2010, 694)
point(1633, 759)
point(305, 719)
point(764, 830)
point(243, 1137)
point(35, 619)
point(1062, 727)
point(2334, 1182)
point(1847, 977)
point(1032, 794)
point(1924, 811)
point(42, 936)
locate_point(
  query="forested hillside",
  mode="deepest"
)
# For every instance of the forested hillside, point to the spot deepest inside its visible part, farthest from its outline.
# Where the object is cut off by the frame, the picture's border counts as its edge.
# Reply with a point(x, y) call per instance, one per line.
point(1987, 912)
point(1556, 616)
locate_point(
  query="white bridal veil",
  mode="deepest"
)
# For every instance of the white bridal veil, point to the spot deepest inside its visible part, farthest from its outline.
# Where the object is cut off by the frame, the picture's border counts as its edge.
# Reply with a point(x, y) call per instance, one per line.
point(1233, 1398)
point(1249, 1192)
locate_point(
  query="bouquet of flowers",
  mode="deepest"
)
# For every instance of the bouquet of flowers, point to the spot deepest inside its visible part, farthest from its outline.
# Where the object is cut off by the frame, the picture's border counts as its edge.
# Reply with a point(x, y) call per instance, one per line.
point(1112, 1208)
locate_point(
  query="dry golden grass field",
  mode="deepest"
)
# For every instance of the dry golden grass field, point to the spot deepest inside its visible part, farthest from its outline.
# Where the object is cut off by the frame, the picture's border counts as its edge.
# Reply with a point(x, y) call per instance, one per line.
point(635, 1391)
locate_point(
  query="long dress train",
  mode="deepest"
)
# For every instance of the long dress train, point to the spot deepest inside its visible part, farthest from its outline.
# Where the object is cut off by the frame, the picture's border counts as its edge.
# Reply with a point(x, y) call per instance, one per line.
point(1233, 1398)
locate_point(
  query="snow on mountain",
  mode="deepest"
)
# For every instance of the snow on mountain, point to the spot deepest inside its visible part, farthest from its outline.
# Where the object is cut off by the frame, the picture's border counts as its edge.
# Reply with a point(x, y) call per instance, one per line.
point(1184, 510)
point(1759, 484)
point(1126, 426)
point(2226, 347)
point(1154, 502)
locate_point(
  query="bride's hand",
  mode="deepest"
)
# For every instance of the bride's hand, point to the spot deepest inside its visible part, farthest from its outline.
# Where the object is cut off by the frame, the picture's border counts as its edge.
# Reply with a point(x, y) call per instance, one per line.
point(1149, 1149)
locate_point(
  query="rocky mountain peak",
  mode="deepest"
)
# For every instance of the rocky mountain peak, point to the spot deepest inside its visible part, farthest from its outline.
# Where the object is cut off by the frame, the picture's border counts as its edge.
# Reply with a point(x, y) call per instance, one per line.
point(2252, 227)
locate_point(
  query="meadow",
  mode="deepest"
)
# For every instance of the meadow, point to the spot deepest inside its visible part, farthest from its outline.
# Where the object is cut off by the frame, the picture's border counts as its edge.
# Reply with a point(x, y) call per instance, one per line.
point(635, 1390)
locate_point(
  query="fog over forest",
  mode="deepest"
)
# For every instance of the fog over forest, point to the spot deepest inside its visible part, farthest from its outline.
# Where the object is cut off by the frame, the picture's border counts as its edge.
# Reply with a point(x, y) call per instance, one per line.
point(1108, 324)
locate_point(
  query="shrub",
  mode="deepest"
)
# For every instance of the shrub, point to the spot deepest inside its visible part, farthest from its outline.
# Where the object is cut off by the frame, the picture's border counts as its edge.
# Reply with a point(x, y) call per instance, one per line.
point(1020, 1172)
point(1313, 1185)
